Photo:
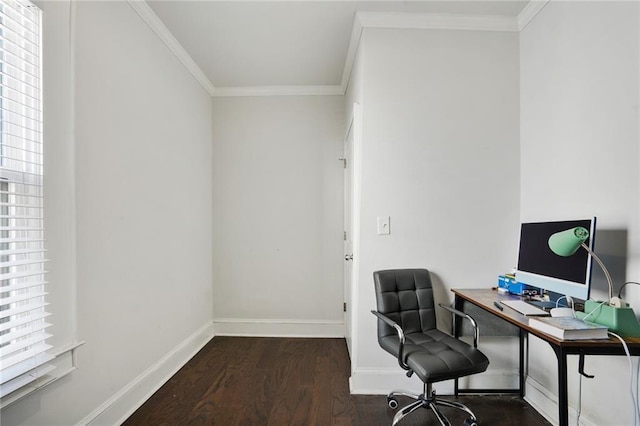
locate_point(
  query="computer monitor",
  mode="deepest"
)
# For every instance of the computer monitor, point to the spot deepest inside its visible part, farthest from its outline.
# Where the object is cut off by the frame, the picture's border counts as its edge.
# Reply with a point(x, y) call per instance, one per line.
point(539, 267)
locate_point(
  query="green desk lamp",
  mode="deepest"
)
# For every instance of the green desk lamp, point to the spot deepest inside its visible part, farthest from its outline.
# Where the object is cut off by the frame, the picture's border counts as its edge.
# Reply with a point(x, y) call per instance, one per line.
point(615, 314)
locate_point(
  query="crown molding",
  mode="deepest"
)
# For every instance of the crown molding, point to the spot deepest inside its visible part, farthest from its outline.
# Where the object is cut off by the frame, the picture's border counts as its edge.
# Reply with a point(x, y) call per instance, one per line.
point(151, 19)
point(529, 12)
point(361, 21)
point(278, 91)
point(354, 42)
point(421, 21)
point(431, 21)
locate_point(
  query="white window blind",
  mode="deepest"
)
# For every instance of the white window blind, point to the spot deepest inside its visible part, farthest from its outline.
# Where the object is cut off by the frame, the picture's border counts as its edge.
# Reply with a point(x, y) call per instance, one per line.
point(23, 346)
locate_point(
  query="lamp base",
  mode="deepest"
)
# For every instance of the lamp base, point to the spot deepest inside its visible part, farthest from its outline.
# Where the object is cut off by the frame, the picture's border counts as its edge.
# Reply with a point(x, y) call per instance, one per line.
point(621, 321)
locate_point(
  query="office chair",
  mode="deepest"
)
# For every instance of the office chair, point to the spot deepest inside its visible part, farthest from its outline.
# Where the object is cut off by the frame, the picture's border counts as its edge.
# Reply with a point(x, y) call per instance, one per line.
point(407, 330)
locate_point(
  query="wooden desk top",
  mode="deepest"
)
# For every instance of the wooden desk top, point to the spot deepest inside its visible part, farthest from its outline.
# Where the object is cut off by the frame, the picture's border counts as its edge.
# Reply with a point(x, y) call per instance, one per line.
point(484, 299)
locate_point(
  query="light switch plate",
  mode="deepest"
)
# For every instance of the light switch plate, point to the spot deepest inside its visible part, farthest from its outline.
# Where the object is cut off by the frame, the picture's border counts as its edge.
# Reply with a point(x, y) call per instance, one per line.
point(383, 225)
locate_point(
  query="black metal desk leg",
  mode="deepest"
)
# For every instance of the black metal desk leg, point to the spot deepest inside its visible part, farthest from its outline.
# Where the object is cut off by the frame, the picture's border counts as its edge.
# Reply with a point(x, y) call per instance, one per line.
point(523, 336)
point(458, 304)
point(563, 399)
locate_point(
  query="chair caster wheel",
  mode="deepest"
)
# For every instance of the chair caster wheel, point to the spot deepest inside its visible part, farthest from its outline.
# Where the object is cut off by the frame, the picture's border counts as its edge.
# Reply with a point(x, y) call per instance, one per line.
point(470, 422)
point(393, 404)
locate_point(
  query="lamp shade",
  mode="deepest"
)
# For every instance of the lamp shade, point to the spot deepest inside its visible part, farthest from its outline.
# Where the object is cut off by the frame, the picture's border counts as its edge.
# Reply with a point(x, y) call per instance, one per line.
point(566, 243)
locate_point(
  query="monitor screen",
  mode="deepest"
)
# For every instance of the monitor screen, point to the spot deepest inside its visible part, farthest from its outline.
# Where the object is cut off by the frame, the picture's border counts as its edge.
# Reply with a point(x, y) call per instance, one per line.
point(539, 267)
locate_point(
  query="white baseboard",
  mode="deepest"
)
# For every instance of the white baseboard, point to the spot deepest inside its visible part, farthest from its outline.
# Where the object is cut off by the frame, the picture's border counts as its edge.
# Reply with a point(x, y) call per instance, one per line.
point(542, 400)
point(546, 403)
point(382, 381)
point(364, 381)
point(125, 402)
point(277, 327)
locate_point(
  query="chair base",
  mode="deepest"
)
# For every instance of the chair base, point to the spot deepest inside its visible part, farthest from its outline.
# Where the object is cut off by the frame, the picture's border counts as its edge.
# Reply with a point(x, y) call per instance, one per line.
point(427, 400)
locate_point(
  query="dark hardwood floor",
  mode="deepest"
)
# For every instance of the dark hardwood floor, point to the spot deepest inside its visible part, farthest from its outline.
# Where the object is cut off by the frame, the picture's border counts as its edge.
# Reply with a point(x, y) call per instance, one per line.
point(274, 381)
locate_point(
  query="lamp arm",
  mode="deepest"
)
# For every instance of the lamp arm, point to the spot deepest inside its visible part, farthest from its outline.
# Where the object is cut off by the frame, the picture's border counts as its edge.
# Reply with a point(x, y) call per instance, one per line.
point(606, 272)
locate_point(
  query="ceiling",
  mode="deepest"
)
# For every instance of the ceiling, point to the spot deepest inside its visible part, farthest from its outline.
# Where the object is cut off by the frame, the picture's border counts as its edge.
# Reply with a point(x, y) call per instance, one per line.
point(286, 43)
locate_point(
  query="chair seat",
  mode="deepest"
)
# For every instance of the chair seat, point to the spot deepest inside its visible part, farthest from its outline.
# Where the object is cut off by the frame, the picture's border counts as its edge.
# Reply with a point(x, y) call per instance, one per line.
point(435, 356)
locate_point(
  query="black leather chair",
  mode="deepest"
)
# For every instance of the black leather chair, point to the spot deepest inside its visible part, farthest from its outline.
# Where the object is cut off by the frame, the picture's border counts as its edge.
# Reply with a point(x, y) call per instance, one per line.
point(407, 330)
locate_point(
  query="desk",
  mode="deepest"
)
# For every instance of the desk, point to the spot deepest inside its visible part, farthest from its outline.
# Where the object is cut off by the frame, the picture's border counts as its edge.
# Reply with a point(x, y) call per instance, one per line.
point(484, 298)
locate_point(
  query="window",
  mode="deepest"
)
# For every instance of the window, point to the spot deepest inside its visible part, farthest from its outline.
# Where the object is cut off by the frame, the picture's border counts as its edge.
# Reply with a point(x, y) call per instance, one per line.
point(23, 348)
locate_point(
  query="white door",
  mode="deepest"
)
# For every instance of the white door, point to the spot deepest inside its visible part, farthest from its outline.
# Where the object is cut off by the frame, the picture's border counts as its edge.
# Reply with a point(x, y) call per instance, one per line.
point(348, 230)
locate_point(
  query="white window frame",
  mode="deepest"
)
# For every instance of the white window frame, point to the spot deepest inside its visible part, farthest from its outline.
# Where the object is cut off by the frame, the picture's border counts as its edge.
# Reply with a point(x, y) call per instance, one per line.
point(24, 360)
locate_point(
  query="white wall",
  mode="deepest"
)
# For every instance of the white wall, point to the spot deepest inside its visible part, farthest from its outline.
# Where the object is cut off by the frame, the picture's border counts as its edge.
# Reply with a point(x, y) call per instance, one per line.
point(278, 215)
point(580, 157)
point(440, 157)
point(141, 169)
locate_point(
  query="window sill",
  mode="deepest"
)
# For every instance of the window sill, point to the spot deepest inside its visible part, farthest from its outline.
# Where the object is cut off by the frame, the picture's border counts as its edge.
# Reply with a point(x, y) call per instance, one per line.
point(64, 362)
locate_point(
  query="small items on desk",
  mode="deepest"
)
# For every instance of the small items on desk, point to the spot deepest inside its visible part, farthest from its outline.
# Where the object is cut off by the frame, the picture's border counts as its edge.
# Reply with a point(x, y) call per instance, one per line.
point(507, 283)
point(499, 306)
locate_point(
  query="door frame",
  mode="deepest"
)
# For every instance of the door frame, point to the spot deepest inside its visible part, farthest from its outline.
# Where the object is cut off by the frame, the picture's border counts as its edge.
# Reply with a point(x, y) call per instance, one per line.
point(351, 281)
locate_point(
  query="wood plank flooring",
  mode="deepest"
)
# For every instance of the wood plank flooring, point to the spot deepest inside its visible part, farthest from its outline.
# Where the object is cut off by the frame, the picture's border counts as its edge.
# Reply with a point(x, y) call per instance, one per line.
point(278, 381)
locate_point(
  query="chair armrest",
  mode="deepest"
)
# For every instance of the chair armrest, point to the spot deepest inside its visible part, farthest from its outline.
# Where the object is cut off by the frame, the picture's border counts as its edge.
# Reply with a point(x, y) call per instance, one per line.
point(400, 332)
point(467, 316)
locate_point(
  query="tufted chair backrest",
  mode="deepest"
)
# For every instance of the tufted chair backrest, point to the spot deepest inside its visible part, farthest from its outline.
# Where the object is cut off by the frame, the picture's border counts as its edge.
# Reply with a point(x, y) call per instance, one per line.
point(405, 296)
